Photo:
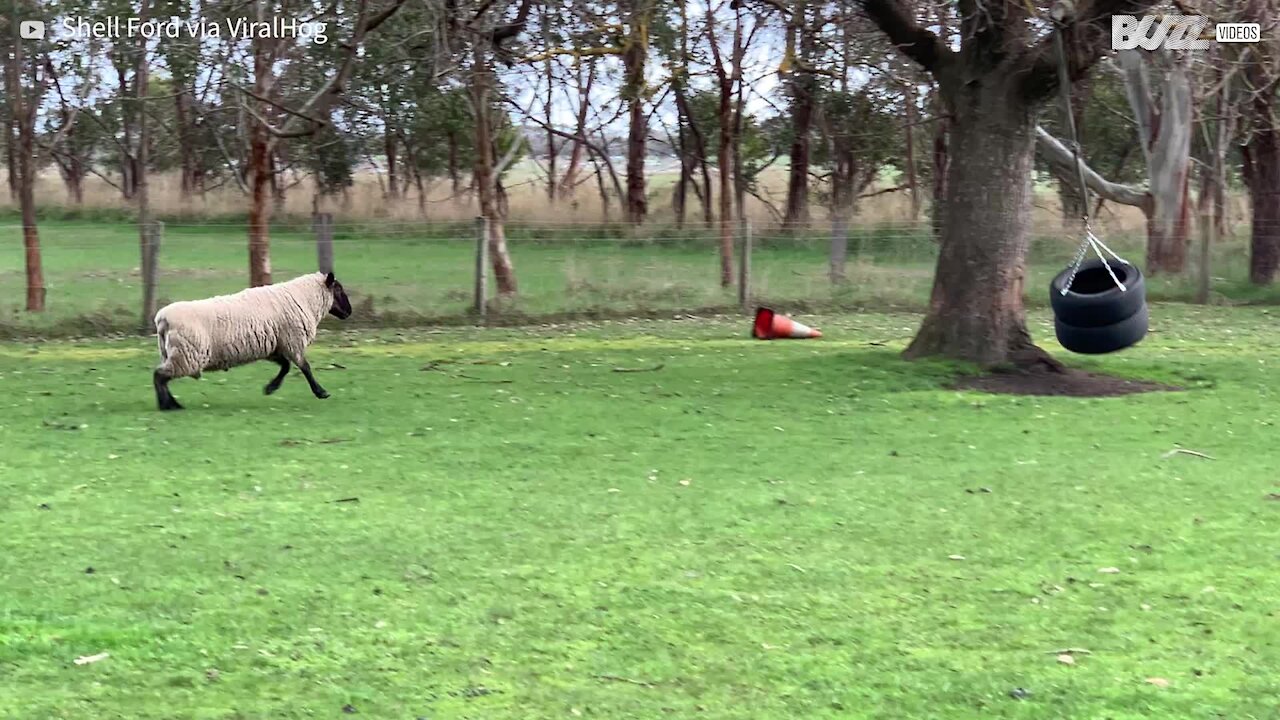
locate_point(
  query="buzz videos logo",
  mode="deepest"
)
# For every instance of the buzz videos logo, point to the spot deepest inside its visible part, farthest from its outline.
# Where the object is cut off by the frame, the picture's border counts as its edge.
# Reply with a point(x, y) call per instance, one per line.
point(31, 29)
point(1176, 32)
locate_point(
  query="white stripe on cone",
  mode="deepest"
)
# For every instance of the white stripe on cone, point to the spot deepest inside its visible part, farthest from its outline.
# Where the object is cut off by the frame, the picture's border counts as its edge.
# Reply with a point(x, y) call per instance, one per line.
point(800, 330)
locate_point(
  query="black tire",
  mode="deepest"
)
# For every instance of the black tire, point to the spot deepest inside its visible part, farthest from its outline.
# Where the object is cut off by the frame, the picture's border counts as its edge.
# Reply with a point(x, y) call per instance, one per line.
point(1094, 300)
point(1101, 340)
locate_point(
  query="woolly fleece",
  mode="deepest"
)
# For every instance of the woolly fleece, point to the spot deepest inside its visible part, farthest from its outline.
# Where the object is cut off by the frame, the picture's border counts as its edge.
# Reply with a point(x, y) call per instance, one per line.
point(225, 331)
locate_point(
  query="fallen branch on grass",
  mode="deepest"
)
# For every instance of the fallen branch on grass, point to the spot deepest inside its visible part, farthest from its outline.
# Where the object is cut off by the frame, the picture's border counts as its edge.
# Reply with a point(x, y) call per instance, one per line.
point(1181, 451)
point(618, 678)
point(464, 376)
point(657, 367)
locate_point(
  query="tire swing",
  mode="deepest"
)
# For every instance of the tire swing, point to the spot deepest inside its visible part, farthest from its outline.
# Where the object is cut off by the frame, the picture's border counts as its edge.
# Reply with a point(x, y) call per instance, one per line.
point(1097, 308)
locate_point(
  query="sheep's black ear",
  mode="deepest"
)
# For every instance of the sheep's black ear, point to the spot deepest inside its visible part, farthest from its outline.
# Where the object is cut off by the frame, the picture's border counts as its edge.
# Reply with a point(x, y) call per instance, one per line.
point(328, 281)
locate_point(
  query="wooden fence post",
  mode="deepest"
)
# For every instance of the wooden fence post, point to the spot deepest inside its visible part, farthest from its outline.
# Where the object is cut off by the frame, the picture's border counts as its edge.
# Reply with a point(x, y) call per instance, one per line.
point(744, 265)
point(482, 265)
point(152, 235)
point(322, 224)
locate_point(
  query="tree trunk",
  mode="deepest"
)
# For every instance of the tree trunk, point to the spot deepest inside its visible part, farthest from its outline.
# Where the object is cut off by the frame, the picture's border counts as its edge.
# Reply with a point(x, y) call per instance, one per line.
point(30, 235)
point(941, 168)
point(633, 58)
point(260, 177)
point(913, 180)
point(1165, 137)
point(797, 212)
point(724, 153)
point(278, 190)
point(11, 150)
point(22, 118)
point(1263, 160)
point(485, 177)
point(740, 178)
point(73, 172)
point(604, 193)
point(393, 167)
point(455, 181)
point(680, 193)
point(569, 183)
point(146, 235)
point(976, 310)
point(190, 181)
point(699, 159)
point(1169, 231)
point(842, 198)
point(547, 108)
point(1261, 166)
point(422, 192)
point(10, 128)
point(637, 202)
point(803, 86)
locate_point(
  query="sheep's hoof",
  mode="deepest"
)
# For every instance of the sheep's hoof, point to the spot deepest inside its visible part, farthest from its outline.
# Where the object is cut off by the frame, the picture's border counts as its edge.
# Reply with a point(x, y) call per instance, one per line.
point(322, 395)
point(270, 388)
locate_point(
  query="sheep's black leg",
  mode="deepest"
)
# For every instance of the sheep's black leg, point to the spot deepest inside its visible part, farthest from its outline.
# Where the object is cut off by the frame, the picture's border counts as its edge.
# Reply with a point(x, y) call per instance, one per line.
point(164, 398)
point(274, 385)
point(316, 390)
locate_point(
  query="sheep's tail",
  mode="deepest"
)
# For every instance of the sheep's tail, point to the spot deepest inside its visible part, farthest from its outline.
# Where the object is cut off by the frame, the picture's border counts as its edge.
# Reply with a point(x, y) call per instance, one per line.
point(162, 337)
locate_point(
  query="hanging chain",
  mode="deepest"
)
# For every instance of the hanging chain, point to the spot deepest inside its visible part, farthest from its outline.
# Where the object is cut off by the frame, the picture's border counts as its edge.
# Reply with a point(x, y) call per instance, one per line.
point(1090, 240)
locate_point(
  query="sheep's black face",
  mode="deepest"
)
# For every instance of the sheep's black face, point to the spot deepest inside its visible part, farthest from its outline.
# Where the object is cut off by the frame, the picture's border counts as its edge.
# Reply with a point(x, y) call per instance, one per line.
point(341, 307)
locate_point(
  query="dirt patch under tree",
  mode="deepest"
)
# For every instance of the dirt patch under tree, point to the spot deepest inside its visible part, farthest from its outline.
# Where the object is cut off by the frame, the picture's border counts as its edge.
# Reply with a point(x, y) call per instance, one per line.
point(1064, 382)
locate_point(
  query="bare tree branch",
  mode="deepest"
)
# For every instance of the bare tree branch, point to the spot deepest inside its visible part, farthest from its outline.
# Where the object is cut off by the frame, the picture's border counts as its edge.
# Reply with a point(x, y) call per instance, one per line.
point(921, 45)
point(1086, 39)
point(1063, 162)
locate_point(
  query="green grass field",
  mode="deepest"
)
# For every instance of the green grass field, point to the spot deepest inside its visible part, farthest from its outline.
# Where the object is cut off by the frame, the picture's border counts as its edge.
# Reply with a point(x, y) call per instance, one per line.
point(755, 530)
point(415, 274)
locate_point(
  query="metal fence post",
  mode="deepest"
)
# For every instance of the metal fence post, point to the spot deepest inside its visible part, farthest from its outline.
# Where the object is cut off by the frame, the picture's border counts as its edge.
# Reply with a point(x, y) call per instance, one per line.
point(151, 234)
point(744, 265)
point(323, 227)
point(482, 265)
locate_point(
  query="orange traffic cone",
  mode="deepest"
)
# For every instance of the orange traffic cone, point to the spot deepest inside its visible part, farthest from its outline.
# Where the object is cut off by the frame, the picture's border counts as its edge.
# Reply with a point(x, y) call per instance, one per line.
point(772, 326)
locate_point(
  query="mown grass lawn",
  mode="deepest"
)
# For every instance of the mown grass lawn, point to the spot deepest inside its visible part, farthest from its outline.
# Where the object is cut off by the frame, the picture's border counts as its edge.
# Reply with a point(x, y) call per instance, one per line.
point(756, 530)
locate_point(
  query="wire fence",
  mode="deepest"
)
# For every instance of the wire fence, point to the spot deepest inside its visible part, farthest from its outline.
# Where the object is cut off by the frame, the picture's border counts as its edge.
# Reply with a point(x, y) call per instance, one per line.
point(108, 277)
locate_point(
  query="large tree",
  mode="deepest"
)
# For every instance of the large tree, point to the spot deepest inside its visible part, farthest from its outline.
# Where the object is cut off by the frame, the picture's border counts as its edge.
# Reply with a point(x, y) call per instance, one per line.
point(26, 80)
point(266, 101)
point(803, 27)
point(1260, 152)
point(991, 86)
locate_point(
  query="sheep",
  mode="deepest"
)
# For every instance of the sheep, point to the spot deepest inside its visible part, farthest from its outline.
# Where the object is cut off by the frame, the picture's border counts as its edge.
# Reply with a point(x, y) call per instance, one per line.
point(272, 322)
